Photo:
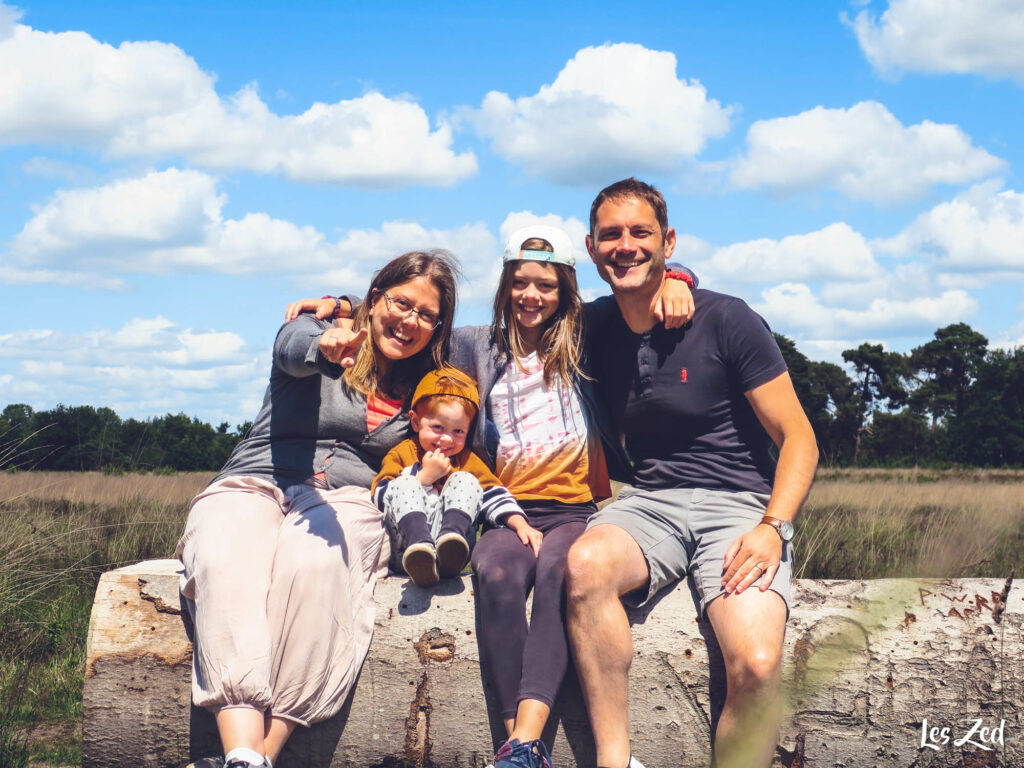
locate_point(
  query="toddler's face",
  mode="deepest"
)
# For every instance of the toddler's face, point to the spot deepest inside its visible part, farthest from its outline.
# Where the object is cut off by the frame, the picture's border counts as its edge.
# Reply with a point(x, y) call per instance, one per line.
point(442, 427)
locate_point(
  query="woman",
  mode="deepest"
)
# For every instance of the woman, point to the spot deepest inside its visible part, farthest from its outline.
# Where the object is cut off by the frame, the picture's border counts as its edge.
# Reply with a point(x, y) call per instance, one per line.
point(540, 432)
point(283, 549)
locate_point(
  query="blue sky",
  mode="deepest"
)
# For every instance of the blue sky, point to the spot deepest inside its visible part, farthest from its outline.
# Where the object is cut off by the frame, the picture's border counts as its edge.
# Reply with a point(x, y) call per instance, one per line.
point(173, 174)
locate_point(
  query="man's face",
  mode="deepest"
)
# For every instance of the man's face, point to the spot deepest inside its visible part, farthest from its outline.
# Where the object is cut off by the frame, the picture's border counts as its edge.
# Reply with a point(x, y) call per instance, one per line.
point(628, 246)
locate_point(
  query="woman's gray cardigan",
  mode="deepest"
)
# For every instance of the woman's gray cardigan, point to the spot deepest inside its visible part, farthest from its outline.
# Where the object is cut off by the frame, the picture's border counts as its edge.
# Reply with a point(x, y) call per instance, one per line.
point(310, 415)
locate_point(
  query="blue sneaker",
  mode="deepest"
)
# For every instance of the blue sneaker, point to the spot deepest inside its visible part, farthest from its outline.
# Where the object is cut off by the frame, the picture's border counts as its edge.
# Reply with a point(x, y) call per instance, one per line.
point(517, 754)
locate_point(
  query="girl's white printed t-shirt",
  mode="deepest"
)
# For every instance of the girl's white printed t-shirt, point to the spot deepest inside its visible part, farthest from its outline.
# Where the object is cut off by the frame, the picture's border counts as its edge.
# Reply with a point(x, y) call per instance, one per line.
point(542, 445)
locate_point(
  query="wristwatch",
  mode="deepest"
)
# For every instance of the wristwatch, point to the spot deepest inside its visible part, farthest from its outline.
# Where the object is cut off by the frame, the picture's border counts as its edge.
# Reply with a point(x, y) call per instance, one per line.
point(782, 527)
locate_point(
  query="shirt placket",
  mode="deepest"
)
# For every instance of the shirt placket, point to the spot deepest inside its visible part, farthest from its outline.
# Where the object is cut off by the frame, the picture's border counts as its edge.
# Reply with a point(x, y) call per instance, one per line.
point(645, 366)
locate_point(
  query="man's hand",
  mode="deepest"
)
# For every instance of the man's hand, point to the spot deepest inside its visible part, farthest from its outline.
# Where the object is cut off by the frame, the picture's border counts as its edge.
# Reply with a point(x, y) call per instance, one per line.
point(674, 303)
point(341, 345)
point(433, 467)
point(753, 556)
point(323, 308)
point(527, 533)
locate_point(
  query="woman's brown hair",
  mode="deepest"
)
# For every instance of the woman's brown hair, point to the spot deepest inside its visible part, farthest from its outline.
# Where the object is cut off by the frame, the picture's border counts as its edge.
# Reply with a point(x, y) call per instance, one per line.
point(365, 376)
point(562, 340)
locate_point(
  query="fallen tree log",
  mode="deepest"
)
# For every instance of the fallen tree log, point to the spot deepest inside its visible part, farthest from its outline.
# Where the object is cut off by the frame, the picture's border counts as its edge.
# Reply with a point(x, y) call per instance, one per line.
point(874, 671)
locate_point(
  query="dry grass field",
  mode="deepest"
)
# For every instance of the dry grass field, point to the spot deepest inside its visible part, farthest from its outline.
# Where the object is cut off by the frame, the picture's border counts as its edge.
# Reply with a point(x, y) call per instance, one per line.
point(893, 523)
point(62, 530)
point(171, 491)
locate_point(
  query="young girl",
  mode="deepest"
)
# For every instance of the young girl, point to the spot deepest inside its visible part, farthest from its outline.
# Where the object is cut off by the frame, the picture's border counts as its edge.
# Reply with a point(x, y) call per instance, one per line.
point(541, 431)
point(547, 456)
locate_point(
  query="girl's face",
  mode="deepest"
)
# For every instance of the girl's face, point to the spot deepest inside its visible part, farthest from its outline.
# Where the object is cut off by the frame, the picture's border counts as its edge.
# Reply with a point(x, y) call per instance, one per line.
point(534, 294)
point(404, 317)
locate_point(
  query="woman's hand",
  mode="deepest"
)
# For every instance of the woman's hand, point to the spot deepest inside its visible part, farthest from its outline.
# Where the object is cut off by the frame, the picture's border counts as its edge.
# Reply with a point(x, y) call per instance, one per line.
point(753, 557)
point(341, 345)
point(433, 467)
point(527, 533)
point(323, 308)
point(674, 304)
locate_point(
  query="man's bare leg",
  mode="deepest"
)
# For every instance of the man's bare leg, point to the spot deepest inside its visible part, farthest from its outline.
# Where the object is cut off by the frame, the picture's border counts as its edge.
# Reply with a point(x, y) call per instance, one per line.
point(603, 564)
point(750, 627)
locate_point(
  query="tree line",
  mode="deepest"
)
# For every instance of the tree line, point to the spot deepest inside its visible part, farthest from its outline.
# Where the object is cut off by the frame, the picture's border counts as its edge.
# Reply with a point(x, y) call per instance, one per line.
point(84, 438)
point(950, 401)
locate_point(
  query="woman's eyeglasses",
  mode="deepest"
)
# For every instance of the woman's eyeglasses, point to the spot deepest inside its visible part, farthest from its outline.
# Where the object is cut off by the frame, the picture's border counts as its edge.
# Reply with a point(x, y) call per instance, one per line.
point(399, 306)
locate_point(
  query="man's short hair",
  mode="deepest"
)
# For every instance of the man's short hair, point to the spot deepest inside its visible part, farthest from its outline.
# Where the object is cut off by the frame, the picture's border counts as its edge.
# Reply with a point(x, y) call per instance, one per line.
point(632, 187)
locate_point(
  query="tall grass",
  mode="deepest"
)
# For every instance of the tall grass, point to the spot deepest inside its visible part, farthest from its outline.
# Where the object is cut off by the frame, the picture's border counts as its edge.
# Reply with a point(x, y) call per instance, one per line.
point(60, 532)
point(884, 523)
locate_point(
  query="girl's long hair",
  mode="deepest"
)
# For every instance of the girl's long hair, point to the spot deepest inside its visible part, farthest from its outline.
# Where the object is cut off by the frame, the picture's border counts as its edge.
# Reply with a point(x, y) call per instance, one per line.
point(561, 342)
point(366, 376)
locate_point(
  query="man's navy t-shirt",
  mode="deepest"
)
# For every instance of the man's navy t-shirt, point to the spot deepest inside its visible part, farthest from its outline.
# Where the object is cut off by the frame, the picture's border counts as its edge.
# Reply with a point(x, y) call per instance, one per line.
point(677, 396)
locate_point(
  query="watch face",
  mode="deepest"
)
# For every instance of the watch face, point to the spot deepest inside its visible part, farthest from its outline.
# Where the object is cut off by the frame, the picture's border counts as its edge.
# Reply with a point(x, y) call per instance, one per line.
point(786, 530)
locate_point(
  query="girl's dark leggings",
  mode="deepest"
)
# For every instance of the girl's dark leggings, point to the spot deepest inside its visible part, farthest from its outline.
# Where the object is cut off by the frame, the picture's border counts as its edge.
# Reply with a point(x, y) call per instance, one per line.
point(526, 661)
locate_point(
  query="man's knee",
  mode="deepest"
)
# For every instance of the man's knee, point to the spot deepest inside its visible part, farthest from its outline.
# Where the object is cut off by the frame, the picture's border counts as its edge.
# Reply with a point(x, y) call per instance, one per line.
point(590, 566)
point(758, 670)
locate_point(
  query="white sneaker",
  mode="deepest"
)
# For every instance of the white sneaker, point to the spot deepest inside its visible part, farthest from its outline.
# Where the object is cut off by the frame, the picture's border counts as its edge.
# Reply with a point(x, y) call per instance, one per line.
point(634, 763)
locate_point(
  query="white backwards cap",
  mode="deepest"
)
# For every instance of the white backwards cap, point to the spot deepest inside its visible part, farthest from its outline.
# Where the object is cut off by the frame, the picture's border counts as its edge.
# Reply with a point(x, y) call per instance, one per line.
point(559, 239)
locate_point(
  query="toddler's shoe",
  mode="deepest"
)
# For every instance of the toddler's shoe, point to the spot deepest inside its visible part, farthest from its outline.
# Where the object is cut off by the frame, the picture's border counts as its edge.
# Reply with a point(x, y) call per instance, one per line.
point(420, 562)
point(453, 542)
point(452, 554)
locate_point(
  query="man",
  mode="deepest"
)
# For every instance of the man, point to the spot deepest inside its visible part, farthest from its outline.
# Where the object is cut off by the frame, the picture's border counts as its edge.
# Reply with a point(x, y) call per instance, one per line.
point(698, 408)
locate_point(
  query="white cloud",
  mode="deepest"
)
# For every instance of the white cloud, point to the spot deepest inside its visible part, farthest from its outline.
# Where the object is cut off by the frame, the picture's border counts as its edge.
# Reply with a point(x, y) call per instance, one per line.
point(612, 110)
point(162, 209)
point(147, 367)
point(979, 230)
point(793, 308)
point(960, 36)
point(355, 257)
point(48, 167)
point(146, 99)
point(1010, 339)
point(900, 282)
point(836, 252)
point(171, 221)
point(831, 350)
point(863, 152)
point(19, 276)
point(8, 21)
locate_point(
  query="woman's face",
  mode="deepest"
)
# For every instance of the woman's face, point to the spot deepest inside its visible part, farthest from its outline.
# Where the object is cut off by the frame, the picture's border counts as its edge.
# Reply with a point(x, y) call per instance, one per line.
point(403, 318)
point(534, 294)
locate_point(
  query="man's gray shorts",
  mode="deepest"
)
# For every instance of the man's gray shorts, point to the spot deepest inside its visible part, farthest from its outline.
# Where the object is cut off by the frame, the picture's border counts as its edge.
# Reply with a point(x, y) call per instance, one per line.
point(687, 531)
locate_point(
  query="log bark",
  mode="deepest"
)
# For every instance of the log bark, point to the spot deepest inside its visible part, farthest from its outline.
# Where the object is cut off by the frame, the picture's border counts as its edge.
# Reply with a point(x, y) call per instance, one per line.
point(866, 662)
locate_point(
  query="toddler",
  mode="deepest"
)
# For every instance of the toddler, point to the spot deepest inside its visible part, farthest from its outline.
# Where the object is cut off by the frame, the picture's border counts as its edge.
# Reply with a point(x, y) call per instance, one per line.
point(432, 488)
